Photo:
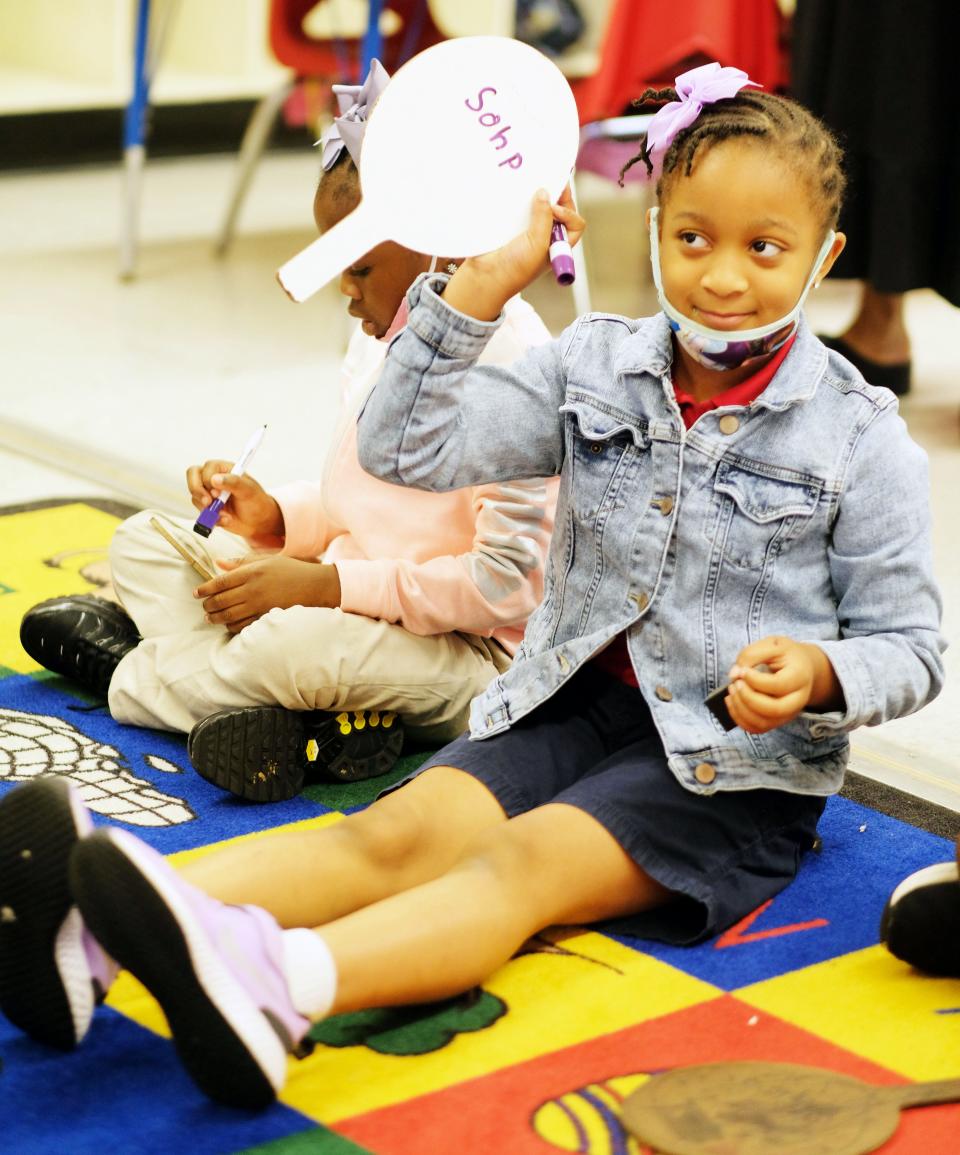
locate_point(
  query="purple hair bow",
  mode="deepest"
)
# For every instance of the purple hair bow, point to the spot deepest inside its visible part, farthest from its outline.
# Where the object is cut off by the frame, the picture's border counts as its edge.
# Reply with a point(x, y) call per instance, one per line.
point(355, 102)
point(704, 85)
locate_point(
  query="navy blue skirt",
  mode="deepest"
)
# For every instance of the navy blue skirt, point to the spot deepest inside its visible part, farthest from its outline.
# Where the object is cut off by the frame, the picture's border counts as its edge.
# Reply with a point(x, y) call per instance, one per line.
point(594, 745)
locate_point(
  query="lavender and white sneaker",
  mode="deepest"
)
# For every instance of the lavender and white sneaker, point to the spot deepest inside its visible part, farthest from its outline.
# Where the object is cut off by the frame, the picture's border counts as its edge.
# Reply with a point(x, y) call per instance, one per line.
point(52, 971)
point(216, 970)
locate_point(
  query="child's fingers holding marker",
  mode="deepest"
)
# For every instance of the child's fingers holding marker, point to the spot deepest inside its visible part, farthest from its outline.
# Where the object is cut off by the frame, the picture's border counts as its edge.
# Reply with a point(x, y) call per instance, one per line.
point(250, 511)
point(484, 283)
point(199, 483)
point(565, 211)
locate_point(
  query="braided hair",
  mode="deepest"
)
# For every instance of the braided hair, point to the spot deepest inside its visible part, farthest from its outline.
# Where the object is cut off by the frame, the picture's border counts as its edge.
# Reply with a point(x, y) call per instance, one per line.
point(341, 181)
point(806, 143)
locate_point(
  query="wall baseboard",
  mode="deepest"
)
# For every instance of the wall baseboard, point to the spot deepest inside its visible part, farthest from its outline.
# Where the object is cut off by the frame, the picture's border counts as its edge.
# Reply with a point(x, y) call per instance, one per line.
point(94, 135)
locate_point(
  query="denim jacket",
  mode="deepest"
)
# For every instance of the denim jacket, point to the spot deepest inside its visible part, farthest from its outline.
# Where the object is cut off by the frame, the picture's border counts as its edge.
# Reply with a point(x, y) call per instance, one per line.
point(804, 513)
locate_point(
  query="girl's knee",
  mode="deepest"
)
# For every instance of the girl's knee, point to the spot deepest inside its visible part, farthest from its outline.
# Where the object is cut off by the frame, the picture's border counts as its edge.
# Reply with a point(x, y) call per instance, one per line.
point(131, 537)
point(509, 853)
point(425, 825)
point(390, 837)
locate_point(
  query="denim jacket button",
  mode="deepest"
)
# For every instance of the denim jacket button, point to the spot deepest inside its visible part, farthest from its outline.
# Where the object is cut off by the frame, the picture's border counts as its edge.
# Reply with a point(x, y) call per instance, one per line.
point(704, 773)
point(729, 424)
point(665, 505)
point(641, 600)
point(663, 694)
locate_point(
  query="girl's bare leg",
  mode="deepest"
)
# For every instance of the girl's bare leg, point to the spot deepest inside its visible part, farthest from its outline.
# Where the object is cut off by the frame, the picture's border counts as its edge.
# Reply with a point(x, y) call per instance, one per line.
point(308, 878)
point(552, 865)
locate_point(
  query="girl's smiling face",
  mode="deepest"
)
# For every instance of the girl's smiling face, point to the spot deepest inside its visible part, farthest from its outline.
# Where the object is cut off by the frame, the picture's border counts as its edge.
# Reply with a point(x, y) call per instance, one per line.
point(738, 238)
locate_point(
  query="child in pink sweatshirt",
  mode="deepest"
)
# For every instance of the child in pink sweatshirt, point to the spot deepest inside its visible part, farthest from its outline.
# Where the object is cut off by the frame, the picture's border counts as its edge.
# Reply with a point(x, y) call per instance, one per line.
point(359, 610)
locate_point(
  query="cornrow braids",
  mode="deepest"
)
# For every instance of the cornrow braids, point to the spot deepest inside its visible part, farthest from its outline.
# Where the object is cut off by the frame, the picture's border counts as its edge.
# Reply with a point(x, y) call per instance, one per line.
point(804, 141)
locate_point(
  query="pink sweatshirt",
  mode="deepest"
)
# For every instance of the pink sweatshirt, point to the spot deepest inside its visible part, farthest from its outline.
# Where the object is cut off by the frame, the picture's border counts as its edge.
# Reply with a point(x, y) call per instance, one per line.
point(471, 560)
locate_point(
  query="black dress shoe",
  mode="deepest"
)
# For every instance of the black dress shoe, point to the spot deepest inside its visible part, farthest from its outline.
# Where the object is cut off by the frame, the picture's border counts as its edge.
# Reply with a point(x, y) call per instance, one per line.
point(895, 377)
point(80, 637)
point(268, 754)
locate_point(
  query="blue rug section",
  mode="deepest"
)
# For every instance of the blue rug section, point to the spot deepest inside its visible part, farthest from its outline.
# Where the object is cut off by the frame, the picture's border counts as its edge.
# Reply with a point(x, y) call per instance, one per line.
point(103, 1098)
point(865, 855)
point(138, 779)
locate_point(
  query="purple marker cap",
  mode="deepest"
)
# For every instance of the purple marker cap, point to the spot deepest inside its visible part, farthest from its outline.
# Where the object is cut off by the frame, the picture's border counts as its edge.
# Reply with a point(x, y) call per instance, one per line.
point(208, 518)
point(561, 255)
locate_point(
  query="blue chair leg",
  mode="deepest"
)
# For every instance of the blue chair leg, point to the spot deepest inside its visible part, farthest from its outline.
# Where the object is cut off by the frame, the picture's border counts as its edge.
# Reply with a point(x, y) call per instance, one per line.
point(134, 135)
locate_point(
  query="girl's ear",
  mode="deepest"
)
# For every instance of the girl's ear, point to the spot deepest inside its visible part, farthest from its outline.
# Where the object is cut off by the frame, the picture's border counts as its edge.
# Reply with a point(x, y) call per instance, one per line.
point(839, 243)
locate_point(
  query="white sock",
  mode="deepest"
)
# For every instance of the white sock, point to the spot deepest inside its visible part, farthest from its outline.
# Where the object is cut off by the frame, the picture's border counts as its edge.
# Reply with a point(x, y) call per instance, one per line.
point(310, 972)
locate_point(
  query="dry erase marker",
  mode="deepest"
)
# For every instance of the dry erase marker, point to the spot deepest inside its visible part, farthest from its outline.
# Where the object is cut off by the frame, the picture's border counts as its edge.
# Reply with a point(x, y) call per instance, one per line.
point(561, 255)
point(211, 515)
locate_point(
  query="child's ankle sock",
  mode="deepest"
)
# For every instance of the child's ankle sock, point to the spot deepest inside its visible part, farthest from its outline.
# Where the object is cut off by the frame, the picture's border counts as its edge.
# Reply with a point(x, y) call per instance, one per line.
point(310, 971)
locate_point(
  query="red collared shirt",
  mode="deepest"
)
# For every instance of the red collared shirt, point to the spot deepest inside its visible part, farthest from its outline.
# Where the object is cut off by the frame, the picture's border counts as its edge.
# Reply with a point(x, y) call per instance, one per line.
point(615, 659)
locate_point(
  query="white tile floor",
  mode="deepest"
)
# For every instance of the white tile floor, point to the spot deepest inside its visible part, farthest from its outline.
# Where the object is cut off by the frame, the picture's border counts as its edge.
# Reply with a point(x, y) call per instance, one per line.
point(113, 389)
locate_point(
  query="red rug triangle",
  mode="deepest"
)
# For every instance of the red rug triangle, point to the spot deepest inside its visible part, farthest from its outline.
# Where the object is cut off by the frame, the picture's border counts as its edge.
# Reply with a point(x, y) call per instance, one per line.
point(737, 935)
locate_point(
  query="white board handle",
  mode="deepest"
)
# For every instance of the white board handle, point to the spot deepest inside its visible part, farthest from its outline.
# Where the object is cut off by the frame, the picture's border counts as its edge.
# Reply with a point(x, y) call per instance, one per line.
point(336, 250)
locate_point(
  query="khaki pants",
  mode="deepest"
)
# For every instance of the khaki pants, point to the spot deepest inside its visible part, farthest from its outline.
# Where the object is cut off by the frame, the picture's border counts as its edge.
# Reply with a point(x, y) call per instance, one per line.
point(302, 658)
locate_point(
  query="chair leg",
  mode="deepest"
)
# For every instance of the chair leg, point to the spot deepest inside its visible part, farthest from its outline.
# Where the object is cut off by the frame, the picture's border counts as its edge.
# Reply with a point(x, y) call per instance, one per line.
point(254, 141)
point(134, 157)
point(134, 135)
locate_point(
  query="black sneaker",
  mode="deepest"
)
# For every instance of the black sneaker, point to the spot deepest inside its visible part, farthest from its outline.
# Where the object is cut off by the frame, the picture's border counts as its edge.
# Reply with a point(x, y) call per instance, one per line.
point(52, 972)
point(80, 637)
point(921, 921)
point(268, 754)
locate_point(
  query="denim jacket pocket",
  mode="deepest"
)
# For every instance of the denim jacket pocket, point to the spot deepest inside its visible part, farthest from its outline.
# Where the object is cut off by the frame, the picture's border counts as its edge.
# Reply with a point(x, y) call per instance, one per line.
point(598, 445)
point(755, 509)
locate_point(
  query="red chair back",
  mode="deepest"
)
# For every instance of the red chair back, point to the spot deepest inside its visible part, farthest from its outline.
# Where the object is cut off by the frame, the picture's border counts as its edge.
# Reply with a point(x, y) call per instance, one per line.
point(339, 59)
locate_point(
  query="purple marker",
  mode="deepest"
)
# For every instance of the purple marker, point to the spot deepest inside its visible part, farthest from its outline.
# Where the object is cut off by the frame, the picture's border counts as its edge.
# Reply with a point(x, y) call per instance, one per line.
point(211, 515)
point(561, 255)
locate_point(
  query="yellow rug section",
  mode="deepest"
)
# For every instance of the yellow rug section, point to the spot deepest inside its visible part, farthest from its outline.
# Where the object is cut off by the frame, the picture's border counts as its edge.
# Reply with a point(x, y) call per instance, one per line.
point(588, 987)
point(875, 1006)
point(32, 572)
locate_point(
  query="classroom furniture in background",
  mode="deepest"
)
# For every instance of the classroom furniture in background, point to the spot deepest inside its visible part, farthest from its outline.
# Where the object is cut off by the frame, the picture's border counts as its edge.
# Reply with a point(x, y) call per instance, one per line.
point(647, 44)
point(322, 61)
point(340, 39)
point(331, 59)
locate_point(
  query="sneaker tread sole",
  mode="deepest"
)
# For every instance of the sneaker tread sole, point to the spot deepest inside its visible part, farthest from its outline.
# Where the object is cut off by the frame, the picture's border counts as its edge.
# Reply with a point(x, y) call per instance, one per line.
point(145, 931)
point(268, 754)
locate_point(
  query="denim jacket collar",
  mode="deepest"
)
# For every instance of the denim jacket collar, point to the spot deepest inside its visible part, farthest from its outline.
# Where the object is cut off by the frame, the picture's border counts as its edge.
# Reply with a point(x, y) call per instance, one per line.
point(650, 350)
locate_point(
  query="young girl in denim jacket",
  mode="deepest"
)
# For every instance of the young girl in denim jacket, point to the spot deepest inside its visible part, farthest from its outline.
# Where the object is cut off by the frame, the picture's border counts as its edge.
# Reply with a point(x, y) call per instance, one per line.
point(736, 504)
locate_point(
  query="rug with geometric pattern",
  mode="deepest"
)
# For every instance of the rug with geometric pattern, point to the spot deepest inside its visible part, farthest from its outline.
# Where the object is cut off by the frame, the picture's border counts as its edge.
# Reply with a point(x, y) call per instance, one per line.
point(536, 1060)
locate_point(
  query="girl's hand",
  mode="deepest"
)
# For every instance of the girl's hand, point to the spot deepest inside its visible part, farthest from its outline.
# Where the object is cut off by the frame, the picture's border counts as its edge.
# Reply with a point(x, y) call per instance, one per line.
point(483, 285)
point(800, 678)
point(250, 512)
point(255, 584)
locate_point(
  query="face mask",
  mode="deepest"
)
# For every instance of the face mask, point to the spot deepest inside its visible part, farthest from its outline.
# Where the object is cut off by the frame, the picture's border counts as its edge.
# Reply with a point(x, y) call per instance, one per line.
point(402, 314)
point(399, 320)
point(719, 348)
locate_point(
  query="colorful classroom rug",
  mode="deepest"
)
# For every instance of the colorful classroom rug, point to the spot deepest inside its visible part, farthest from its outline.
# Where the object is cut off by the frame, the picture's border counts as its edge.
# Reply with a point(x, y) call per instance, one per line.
point(537, 1060)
